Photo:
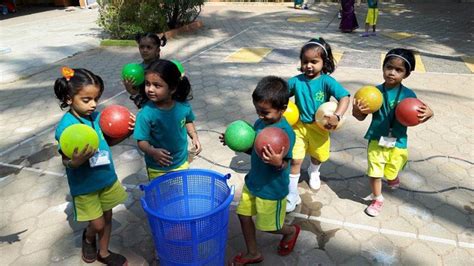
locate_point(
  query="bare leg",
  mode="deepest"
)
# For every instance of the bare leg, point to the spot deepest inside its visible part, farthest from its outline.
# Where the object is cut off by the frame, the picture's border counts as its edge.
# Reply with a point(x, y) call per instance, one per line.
point(288, 232)
point(104, 235)
point(296, 166)
point(376, 186)
point(248, 229)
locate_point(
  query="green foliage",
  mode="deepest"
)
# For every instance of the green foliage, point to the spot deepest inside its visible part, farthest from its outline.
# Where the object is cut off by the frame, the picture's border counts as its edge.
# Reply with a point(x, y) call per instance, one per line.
point(123, 19)
point(181, 12)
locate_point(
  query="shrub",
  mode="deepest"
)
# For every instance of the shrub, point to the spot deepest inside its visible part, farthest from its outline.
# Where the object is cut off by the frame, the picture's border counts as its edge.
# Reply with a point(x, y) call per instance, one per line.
point(122, 19)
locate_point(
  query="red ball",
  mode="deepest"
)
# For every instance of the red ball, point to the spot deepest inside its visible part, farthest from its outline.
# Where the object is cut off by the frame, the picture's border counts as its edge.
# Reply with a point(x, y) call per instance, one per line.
point(407, 111)
point(114, 121)
point(276, 137)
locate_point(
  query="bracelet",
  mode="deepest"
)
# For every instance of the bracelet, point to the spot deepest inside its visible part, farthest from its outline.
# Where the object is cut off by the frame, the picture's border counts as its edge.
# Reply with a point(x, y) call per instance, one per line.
point(338, 117)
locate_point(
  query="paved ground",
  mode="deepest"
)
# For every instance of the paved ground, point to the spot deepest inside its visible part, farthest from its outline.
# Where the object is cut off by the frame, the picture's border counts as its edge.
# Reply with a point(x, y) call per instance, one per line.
point(429, 221)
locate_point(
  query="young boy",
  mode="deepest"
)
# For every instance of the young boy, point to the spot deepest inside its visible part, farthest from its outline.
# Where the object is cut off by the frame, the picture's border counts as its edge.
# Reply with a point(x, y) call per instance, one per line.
point(266, 184)
point(371, 19)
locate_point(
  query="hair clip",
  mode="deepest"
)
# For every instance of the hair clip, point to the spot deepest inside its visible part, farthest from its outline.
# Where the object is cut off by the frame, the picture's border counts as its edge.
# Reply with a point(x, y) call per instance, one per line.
point(67, 72)
point(179, 66)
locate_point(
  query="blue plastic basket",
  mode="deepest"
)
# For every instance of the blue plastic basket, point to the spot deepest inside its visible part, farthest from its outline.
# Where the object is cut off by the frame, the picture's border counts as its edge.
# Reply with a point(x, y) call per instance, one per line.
point(188, 212)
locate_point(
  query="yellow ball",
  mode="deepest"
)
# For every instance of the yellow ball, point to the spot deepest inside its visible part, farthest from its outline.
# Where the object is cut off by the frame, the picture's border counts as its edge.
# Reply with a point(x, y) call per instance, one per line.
point(327, 108)
point(292, 114)
point(371, 96)
point(78, 136)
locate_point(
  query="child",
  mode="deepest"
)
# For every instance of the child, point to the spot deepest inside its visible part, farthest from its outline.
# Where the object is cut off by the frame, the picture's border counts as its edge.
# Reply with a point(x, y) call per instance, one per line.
point(371, 19)
point(387, 150)
point(95, 188)
point(164, 119)
point(149, 46)
point(266, 185)
point(311, 89)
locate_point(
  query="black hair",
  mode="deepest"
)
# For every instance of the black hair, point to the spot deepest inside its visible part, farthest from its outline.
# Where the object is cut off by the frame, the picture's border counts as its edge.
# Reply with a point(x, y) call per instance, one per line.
point(329, 64)
point(158, 41)
point(66, 89)
point(170, 73)
point(404, 53)
point(273, 90)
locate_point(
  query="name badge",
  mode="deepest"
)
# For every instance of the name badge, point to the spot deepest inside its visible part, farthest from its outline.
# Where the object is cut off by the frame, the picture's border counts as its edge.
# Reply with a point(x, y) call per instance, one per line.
point(99, 158)
point(387, 142)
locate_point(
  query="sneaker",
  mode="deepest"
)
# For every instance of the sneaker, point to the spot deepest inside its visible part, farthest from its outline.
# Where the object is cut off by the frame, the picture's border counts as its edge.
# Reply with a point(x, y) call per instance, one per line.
point(314, 180)
point(305, 6)
point(89, 250)
point(374, 208)
point(364, 34)
point(394, 184)
point(291, 201)
point(113, 259)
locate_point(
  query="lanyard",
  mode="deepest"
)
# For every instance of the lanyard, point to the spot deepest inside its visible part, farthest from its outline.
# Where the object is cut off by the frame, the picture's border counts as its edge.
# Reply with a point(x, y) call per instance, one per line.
point(387, 108)
point(80, 121)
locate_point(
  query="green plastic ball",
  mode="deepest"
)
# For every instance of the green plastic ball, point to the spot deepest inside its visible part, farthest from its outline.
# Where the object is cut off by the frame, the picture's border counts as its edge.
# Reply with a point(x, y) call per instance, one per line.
point(77, 136)
point(239, 136)
point(134, 72)
point(179, 65)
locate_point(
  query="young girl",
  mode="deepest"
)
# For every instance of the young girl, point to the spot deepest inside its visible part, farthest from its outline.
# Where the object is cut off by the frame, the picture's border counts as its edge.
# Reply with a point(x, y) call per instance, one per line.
point(149, 45)
point(164, 120)
point(311, 89)
point(387, 150)
point(95, 188)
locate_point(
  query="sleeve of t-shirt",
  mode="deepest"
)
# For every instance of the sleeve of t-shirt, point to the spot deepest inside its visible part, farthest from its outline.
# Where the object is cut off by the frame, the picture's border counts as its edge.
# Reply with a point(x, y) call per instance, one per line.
point(291, 86)
point(63, 124)
point(142, 126)
point(335, 88)
point(190, 114)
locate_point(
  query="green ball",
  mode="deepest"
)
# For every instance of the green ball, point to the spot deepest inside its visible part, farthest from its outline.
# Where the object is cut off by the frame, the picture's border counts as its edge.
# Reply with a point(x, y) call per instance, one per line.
point(179, 65)
point(239, 136)
point(78, 136)
point(134, 72)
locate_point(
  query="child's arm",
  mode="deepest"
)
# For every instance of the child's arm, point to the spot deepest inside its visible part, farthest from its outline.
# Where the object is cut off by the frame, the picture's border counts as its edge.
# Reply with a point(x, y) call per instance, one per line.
point(191, 129)
point(78, 158)
point(160, 156)
point(360, 109)
point(131, 127)
point(425, 113)
point(128, 83)
point(333, 119)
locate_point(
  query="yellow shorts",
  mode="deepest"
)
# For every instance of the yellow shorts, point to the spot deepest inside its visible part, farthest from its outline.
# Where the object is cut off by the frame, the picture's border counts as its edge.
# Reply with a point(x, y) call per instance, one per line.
point(385, 162)
point(91, 206)
point(154, 173)
point(311, 139)
point(372, 15)
point(270, 214)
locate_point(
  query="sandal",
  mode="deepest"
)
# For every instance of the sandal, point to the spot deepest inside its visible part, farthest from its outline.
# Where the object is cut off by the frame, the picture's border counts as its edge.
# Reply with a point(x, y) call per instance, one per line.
point(113, 259)
point(89, 250)
point(238, 259)
point(285, 248)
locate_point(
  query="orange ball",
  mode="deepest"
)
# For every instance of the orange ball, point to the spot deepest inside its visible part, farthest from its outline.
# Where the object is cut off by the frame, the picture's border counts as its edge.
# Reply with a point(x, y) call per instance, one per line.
point(371, 96)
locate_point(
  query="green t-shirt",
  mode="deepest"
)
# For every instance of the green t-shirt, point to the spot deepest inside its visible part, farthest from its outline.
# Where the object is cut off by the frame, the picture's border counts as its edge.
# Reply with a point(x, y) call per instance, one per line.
point(85, 179)
point(266, 181)
point(165, 129)
point(310, 94)
point(372, 3)
point(380, 125)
